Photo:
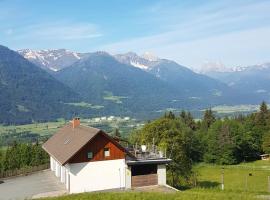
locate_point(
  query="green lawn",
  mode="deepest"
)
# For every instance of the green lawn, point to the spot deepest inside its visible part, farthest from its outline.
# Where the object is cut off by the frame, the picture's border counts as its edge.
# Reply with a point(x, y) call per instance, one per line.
point(248, 177)
point(208, 188)
point(190, 195)
point(186, 195)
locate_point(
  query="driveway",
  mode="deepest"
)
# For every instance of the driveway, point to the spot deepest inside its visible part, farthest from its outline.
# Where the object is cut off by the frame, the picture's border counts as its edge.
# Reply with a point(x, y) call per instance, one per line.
point(24, 187)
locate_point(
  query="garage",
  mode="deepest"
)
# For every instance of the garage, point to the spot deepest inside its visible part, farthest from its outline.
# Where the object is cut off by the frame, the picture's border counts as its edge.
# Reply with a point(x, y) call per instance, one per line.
point(144, 175)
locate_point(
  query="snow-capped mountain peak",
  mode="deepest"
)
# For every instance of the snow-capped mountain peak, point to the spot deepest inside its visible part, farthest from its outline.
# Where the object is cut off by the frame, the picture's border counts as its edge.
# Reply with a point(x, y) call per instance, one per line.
point(149, 56)
point(53, 60)
point(144, 62)
point(218, 67)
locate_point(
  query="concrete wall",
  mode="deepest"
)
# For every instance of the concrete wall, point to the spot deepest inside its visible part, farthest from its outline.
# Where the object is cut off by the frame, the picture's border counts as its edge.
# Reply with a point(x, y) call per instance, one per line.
point(95, 176)
point(161, 172)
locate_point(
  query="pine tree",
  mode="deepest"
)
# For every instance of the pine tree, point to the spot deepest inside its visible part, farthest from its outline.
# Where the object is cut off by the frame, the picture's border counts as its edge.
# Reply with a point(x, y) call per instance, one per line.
point(266, 143)
point(170, 115)
point(262, 115)
point(208, 118)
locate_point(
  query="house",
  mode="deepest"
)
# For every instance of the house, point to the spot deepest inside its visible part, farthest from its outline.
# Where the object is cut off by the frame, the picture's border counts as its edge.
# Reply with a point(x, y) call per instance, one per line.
point(87, 159)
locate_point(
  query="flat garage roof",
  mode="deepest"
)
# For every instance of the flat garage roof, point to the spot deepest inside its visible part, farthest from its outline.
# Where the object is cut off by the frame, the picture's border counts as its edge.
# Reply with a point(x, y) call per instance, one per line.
point(149, 161)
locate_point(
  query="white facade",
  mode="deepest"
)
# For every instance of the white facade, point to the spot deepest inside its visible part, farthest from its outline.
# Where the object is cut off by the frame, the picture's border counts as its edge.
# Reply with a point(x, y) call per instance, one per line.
point(128, 177)
point(98, 175)
point(95, 176)
point(161, 172)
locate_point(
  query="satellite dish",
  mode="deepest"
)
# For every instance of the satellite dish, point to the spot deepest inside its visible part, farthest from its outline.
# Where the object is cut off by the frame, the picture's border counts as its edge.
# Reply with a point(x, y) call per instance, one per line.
point(143, 147)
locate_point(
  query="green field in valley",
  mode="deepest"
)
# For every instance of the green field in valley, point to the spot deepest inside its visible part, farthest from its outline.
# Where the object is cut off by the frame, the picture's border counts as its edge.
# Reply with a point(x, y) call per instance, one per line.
point(40, 131)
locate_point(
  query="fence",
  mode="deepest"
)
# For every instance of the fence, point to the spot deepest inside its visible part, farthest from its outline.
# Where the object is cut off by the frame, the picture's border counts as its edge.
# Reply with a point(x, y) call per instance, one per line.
point(23, 171)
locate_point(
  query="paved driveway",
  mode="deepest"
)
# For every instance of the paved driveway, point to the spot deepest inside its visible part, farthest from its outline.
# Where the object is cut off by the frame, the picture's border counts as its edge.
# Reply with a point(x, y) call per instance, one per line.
point(24, 187)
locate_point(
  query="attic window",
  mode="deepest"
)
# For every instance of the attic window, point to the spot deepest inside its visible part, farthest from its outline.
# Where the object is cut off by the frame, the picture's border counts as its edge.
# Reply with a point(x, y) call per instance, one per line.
point(106, 152)
point(90, 155)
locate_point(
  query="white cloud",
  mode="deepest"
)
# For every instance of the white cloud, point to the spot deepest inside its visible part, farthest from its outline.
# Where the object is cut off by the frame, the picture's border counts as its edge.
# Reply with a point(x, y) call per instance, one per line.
point(235, 34)
point(58, 31)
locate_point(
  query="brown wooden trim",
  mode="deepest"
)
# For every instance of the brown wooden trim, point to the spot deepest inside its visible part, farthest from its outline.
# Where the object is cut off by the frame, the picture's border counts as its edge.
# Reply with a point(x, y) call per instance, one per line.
point(97, 146)
point(117, 144)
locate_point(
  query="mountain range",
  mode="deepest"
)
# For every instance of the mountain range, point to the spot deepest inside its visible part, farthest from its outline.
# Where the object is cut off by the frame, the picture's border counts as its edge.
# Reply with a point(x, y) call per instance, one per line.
point(48, 84)
point(254, 78)
point(189, 85)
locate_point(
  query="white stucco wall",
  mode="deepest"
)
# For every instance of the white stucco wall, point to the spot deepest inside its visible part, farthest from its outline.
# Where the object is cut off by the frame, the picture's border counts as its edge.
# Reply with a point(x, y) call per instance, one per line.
point(63, 174)
point(51, 163)
point(128, 177)
point(67, 177)
point(161, 172)
point(95, 176)
point(57, 169)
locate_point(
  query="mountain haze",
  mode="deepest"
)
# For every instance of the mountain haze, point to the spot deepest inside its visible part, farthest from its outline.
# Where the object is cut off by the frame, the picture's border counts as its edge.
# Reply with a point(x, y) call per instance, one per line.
point(255, 79)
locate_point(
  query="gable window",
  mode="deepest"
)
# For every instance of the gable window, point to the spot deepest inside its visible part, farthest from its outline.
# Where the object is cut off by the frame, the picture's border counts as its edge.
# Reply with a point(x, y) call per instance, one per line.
point(90, 155)
point(106, 152)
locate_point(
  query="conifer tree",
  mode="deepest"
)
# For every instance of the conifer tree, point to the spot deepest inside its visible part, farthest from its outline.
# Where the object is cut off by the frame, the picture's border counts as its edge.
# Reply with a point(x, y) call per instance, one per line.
point(208, 118)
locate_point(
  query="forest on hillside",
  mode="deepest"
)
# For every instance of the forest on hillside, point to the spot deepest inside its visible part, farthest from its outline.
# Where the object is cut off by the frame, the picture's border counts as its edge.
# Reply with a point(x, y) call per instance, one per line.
point(214, 140)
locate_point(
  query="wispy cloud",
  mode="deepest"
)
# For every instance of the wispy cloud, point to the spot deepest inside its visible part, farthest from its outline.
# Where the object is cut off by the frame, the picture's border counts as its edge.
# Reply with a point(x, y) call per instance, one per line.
point(192, 37)
point(58, 31)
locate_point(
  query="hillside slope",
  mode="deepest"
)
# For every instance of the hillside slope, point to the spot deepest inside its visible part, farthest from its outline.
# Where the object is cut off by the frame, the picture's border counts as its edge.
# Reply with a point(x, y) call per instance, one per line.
point(102, 79)
point(28, 93)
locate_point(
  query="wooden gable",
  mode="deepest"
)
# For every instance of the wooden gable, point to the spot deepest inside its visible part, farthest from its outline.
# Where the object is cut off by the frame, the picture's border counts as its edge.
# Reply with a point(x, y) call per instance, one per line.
point(96, 146)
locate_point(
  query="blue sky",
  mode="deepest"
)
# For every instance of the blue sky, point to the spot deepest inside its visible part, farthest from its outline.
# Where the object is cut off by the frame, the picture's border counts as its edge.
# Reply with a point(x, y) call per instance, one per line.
point(190, 32)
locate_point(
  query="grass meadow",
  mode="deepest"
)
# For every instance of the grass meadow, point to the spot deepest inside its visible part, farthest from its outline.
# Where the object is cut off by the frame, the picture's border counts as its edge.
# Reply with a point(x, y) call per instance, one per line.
point(242, 182)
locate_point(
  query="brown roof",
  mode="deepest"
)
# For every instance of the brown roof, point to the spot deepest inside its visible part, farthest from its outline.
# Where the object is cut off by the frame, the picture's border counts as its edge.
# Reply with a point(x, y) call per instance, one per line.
point(66, 142)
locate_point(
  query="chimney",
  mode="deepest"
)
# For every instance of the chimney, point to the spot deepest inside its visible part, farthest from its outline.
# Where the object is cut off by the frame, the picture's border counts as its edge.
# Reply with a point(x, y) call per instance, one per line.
point(75, 122)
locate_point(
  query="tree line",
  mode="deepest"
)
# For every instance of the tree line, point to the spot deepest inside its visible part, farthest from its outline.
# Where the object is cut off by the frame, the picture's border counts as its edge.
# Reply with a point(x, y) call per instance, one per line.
point(212, 140)
point(21, 155)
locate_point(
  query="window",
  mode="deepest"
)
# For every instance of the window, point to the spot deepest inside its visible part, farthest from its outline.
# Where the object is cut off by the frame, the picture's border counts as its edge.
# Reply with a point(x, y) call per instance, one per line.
point(90, 155)
point(106, 152)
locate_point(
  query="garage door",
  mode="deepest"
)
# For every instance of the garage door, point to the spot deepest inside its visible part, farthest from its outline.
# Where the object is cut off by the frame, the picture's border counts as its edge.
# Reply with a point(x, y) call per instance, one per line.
point(144, 175)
